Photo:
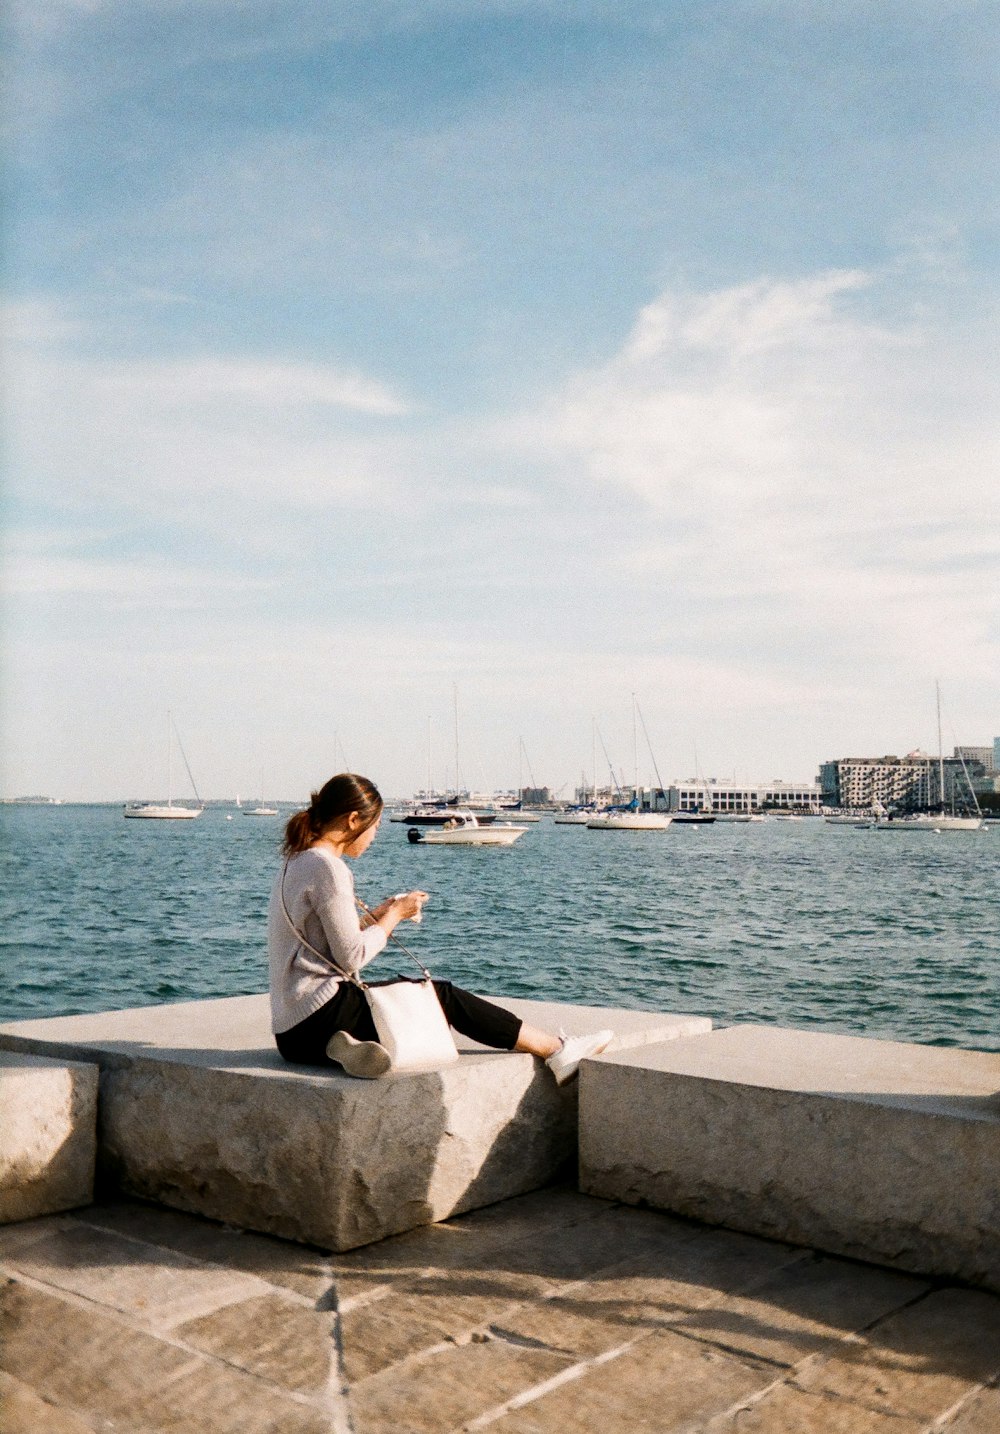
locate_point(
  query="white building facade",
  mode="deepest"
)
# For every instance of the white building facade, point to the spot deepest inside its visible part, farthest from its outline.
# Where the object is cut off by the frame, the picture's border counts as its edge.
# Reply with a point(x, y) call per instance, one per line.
point(713, 795)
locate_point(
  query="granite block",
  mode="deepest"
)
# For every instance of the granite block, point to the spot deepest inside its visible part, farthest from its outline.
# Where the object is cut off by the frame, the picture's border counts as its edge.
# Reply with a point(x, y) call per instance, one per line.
point(48, 1135)
point(199, 1111)
point(872, 1149)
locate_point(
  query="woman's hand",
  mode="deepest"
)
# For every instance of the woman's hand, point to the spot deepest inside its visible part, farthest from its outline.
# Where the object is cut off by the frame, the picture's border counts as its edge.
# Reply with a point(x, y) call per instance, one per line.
point(408, 905)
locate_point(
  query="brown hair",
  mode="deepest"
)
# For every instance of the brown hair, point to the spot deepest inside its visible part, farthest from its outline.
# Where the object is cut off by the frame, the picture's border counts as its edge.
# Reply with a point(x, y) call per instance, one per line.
point(342, 794)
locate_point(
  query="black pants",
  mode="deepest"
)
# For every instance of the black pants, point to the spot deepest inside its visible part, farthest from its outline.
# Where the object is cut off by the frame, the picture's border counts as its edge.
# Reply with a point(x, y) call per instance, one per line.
point(305, 1044)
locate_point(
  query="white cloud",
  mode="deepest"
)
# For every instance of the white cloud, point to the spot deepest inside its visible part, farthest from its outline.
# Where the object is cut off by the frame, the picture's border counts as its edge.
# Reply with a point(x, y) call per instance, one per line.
point(264, 385)
point(787, 446)
point(87, 431)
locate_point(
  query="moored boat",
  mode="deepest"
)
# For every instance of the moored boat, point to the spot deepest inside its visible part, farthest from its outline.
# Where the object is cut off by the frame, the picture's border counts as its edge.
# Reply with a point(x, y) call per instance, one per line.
point(166, 811)
point(161, 811)
point(465, 829)
point(931, 822)
point(625, 821)
point(577, 817)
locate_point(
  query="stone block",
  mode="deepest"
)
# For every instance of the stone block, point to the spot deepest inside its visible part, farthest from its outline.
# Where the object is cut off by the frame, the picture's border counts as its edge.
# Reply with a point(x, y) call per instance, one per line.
point(48, 1135)
point(199, 1111)
point(872, 1149)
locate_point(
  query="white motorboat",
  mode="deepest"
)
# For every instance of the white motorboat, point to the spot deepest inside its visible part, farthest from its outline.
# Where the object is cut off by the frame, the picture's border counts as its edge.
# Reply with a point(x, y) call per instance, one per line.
point(465, 829)
point(629, 822)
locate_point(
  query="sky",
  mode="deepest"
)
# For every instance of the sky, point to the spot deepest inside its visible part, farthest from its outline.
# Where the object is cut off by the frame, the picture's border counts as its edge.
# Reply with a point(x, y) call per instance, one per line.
point(365, 365)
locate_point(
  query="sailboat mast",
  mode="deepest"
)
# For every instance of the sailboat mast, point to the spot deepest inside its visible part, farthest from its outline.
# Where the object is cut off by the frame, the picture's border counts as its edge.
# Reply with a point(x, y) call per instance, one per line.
point(635, 758)
point(457, 780)
point(593, 739)
point(937, 689)
point(170, 784)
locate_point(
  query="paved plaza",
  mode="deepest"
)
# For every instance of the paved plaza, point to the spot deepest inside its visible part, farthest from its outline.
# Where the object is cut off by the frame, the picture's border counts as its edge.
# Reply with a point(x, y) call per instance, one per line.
point(550, 1312)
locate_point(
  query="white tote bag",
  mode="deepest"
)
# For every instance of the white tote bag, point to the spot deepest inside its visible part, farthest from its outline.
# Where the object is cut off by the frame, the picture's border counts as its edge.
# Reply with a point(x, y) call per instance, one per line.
point(407, 1013)
point(411, 1024)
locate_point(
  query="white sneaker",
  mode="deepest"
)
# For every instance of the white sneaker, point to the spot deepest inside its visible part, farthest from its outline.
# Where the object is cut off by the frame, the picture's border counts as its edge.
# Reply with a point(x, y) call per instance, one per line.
point(366, 1059)
point(565, 1062)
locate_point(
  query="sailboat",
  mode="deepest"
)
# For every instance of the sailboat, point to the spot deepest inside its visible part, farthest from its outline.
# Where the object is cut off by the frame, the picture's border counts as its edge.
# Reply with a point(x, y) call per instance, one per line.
point(261, 809)
point(158, 812)
point(941, 820)
point(631, 818)
point(585, 812)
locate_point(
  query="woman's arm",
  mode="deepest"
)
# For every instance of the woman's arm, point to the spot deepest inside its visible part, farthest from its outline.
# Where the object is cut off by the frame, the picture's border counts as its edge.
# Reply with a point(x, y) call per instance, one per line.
point(351, 944)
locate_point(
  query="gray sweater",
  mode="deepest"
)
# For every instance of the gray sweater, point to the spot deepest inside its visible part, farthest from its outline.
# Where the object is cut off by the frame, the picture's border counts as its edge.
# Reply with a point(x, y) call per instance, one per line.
point(319, 894)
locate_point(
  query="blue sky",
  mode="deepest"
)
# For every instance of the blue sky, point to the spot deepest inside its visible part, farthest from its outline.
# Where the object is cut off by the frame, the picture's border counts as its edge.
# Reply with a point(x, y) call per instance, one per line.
point(544, 352)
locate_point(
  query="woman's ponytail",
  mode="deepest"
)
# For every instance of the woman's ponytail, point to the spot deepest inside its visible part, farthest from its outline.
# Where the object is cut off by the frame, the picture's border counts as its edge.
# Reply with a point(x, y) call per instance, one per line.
point(299, 834)
point(341, 795)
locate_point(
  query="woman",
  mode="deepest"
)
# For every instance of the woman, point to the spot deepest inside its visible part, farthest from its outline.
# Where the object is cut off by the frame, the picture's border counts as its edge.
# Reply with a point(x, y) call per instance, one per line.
point(315, 934)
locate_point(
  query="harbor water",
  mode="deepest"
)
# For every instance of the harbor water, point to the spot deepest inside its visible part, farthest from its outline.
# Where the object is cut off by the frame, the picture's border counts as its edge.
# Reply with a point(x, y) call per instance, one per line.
point(800, 924)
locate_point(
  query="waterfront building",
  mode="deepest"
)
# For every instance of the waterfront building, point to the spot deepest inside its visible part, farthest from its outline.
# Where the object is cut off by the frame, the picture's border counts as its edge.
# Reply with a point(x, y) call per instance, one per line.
point(587, 795)
point(718, 796)
point(910, 783)
point(976, 757)
point(535, 796)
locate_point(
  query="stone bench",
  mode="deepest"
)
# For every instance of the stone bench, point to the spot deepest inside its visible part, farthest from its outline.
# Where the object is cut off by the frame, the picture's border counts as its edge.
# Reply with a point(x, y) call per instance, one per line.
point(198, 1111)
point(867, 1148)
point(48, 1135)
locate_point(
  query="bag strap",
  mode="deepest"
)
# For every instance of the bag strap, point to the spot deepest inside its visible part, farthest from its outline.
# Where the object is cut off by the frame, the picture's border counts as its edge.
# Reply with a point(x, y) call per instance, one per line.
point(347, 975)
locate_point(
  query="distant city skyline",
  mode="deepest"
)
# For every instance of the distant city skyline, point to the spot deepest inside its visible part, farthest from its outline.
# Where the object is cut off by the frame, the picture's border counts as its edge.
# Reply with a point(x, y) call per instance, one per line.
point(549, 353)
point(444, 781)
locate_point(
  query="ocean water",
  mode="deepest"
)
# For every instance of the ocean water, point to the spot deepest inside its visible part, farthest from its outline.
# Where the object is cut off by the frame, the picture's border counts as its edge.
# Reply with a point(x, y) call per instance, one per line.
point(797, 923)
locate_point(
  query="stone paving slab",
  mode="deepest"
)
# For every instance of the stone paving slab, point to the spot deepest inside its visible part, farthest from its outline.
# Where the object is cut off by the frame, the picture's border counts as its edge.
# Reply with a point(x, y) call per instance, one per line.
point(198, 1111)
point(874, 1149)
point(100, 1368)
point(783, 1409)
point(552, 1313)
point(979, 1414)
point(22, 1411)
point(658, 1383)
point(925, 1357)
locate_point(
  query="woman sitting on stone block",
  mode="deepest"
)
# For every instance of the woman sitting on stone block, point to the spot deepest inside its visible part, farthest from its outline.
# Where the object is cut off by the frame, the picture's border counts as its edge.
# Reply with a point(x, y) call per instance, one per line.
point(315, 934)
